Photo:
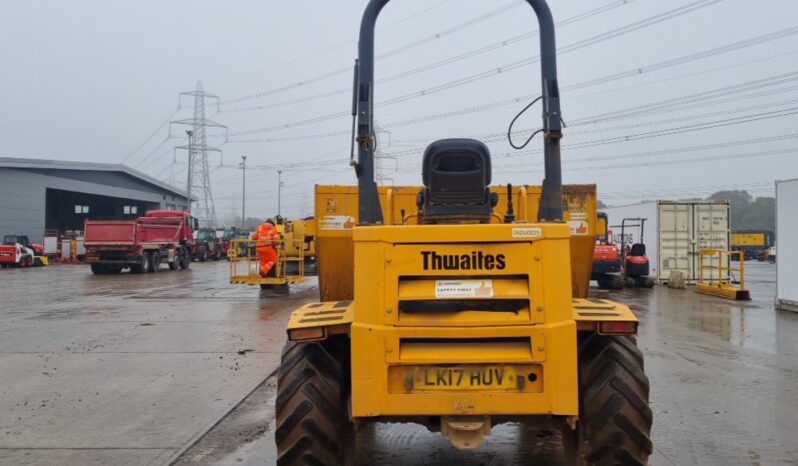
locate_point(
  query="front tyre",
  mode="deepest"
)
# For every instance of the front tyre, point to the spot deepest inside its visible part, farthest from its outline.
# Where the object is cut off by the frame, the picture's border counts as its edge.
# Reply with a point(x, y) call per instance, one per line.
point(614, 416)
point(313, 425)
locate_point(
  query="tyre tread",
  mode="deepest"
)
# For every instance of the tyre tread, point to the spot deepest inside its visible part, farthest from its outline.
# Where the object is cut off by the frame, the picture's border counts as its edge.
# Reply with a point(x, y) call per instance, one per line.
point(615, 417)
point(312, 421)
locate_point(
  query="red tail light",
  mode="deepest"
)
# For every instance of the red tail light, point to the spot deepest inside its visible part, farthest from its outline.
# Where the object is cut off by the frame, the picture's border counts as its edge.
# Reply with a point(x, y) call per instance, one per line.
point(618, 328)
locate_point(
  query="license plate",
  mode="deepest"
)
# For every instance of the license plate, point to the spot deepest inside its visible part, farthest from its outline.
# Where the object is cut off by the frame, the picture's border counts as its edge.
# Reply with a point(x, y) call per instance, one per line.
point(465, 378)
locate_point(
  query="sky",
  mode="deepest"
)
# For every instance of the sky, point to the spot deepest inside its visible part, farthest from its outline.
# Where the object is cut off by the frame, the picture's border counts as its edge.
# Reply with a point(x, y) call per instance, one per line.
point(662, 100)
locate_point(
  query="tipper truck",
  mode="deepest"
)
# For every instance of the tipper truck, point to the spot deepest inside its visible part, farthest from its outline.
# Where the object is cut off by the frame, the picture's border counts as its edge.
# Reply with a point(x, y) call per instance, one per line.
point(142, 244)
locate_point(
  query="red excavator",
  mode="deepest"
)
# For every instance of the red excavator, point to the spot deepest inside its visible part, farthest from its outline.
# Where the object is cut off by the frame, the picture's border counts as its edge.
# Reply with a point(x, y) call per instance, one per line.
point(635, 261)
point(606, 257)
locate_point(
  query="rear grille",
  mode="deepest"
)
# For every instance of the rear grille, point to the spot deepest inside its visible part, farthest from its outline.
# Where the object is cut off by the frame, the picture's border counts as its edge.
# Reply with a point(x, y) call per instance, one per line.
point(442, 306)
point(467, 300)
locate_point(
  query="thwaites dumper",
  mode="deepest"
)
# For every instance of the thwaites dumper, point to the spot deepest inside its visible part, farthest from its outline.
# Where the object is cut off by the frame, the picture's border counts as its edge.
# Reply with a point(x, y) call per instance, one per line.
point(459, 318)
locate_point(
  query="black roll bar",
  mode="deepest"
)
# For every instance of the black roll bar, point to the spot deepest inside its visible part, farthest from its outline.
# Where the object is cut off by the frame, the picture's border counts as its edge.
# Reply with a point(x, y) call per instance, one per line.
point(370, 212)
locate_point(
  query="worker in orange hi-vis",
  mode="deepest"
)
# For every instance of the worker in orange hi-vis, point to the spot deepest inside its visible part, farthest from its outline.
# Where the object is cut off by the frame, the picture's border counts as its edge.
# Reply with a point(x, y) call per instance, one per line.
point(266, 240)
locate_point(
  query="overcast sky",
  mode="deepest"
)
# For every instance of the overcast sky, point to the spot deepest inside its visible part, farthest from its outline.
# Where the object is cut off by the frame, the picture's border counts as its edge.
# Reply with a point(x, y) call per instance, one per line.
point(99, 80)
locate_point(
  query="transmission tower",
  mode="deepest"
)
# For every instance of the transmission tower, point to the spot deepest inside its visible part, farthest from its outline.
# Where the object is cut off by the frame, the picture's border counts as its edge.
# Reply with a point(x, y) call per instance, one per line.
point(380, 157)
point(198, 181)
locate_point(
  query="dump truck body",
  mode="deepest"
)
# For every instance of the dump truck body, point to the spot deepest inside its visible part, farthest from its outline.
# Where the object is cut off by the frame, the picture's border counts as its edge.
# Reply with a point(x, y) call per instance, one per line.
point(337, 212)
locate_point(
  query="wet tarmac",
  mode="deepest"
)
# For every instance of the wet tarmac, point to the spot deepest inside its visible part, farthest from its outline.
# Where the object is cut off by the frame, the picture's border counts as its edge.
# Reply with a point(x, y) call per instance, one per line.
point(724, 378)
point(128, 369)
point(177, 367)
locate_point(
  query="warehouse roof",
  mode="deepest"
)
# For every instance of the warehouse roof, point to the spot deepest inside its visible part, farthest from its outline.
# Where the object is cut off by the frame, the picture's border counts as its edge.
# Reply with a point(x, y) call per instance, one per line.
point(42, 164)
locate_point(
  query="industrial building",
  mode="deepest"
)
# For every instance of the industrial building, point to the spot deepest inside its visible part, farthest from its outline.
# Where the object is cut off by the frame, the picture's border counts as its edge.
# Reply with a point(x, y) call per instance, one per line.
point(38, 195)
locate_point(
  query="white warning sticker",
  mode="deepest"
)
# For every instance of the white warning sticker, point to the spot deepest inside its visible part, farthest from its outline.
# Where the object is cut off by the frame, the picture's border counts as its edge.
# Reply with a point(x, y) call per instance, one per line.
point(336, 222)
point(527, 233)
point(464, 289)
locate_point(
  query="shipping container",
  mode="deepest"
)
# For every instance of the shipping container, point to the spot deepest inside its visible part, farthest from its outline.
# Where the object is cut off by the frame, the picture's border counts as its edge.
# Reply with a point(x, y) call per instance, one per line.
point(646, 210)
point(786, 245)
point(684, 229)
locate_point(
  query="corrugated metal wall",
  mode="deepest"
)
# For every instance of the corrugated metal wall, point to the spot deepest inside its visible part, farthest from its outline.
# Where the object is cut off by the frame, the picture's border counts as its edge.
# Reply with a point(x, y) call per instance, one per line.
point(23, 195)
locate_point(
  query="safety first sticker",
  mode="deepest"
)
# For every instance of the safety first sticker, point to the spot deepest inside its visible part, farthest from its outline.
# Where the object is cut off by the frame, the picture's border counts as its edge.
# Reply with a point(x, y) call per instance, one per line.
point(336, 222)
point(578, 227)
point(463, 289)
point(578, 223)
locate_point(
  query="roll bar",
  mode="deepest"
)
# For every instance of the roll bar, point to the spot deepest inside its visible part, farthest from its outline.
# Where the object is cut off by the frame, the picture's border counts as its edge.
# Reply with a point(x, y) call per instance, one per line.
point(551, 208)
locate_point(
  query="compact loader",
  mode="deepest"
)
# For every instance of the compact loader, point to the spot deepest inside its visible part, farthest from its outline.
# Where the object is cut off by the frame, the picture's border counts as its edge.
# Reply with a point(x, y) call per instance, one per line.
point(463, 309)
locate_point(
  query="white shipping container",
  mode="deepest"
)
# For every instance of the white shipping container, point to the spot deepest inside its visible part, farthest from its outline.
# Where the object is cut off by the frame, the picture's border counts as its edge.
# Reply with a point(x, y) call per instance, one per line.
point(685, 228)
point(646, 210)
point(786, 245)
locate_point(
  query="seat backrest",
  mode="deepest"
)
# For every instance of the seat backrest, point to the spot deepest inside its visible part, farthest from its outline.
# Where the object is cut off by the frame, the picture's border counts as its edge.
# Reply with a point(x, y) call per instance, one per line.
point(638, 249)
point(456, 174)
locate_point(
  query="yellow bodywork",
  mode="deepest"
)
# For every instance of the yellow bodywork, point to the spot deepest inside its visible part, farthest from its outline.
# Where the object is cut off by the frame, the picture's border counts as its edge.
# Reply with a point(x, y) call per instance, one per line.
point(297, 245)
point(521, 321)
point(748, 239)
point(427, 306)
point(336, 213)
point(245, 264)
point(299, 234)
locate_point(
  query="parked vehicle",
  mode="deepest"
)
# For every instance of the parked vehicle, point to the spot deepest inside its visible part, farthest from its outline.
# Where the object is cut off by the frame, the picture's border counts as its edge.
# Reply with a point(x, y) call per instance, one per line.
point(754, 243)
point(18, 251)
point(207, 245)
point(143, 244)
point(606, 256)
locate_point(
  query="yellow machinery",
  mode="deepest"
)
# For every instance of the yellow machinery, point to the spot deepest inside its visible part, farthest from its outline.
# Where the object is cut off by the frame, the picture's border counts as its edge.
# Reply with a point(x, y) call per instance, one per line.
point(296, 257)
point(715, 274)
point(300, 240)
point(460, 306)
point(336, 208)
point(245, 266)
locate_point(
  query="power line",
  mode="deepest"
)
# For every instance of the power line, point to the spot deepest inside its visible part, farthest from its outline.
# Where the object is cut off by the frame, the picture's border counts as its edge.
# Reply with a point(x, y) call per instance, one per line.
point(436, 64)
point(494, 72)
point(348, 69)
point(633, 72)
point(149, 138)
point(685, 102)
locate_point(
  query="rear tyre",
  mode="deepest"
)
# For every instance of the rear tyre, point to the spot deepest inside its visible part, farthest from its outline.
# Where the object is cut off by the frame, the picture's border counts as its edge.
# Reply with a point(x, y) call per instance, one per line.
point(185, 259)
point(175, 264)
point(202, 255)
point(98, 269)
point(313, 425)
point(155, 261)
point(617, 282)
point(143, 265)
point(644, 282)
point(614, 416)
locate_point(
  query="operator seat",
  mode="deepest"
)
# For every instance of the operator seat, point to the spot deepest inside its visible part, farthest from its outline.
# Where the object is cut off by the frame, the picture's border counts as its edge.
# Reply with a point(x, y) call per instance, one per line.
point(638, 249)
point(456, 174)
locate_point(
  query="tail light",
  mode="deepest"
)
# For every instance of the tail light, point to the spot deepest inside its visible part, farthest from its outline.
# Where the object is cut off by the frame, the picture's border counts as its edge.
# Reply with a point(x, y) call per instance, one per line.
point(618, 328)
